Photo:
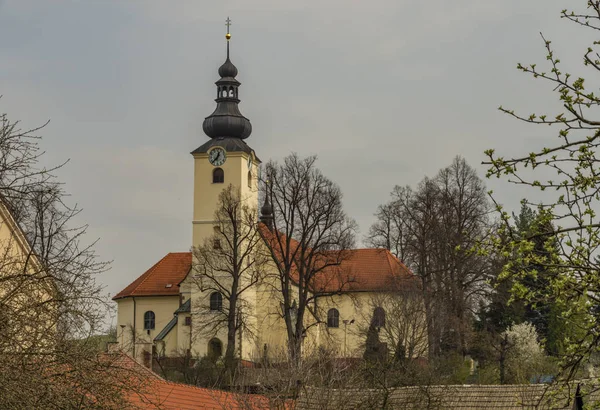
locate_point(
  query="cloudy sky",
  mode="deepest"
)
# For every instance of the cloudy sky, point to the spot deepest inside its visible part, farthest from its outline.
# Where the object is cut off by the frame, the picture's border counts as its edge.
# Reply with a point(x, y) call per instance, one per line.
point(385, 92)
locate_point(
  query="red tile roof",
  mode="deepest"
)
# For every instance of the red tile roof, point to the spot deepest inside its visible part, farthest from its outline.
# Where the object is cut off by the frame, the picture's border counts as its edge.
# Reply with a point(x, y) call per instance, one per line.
point(153, 392)
point(170, 270)
point(164, 395)
point(361, 270)
point(354, 270)
point(366, 270)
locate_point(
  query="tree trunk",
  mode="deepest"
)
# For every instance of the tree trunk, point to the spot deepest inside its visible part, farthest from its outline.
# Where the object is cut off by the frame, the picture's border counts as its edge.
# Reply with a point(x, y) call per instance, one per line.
point(230, 362)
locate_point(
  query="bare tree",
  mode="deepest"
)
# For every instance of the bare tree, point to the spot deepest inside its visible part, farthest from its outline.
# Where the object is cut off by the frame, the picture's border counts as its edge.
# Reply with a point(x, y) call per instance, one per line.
point(434, 230)
point(229, 262)
point(310, 234)
point(49, 302)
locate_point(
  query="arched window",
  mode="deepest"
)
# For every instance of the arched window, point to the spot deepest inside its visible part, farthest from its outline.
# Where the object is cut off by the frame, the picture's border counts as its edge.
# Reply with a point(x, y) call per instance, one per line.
point(215, 348)
point(231, 91)
point(149, 320)
point(216, 301)
point(379, 317)
point(249, 179)
point(333, 318)
point(218, 176)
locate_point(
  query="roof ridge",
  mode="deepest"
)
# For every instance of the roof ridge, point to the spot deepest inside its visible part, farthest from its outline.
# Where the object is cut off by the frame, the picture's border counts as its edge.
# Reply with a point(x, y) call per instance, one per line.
point(402, 264)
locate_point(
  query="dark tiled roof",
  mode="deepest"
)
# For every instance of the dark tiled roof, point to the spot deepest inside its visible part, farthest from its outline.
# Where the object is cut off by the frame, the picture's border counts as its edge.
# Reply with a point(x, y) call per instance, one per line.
point(163, 333)
point(185, 308)
point(465, 397)
point(229, 144)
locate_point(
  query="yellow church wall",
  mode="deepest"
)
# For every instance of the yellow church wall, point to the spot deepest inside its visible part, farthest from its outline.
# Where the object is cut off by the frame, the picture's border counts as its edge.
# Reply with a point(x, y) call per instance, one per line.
point(345, 340)
point(125, 324)
point(163, 308)
point(171, 341)
point(271, 335)
point(183, 336)
point(206, 193)
point(182, 330)
point(206, 324)
point(348, 340)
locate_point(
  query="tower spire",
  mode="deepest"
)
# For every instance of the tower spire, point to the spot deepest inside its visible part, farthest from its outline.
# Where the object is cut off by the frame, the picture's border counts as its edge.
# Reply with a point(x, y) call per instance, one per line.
point(228, 35)
point(227, 121)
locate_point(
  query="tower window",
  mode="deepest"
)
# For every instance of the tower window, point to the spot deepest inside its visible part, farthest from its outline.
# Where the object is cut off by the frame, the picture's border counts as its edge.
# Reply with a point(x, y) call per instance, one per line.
point(333, 318)
point(216, 301)
point(249, 179)
point(149, 319)
point(218, 176)
point(188, 321)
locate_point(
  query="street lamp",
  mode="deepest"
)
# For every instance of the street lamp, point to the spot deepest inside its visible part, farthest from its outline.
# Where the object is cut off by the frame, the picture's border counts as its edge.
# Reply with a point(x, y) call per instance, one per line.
point(346, 323)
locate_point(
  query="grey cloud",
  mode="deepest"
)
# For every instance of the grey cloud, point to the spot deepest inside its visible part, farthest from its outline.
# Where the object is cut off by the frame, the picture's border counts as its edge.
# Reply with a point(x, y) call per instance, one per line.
point(384, 91)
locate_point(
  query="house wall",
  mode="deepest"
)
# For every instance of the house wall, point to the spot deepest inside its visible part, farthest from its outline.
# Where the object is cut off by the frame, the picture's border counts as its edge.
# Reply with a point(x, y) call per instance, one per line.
point(163, 308)
point(25, 290)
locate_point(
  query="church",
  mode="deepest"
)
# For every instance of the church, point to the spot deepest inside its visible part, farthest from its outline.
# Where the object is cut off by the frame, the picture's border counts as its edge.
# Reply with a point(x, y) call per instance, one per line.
point(162, 311)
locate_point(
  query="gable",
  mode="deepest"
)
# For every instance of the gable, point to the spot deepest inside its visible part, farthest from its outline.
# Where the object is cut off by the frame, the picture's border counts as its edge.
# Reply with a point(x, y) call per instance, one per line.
point(162, 279)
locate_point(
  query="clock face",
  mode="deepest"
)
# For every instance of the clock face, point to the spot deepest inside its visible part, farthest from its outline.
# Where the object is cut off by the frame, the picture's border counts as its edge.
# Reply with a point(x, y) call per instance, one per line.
point(217, 156)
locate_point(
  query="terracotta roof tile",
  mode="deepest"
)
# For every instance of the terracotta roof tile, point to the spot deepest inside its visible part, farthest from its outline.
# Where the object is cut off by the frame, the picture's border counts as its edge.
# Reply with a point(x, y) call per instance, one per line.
point(164, 395)
point(170, 270)
point(361, 270)
point(366, 270)
point(153, 392)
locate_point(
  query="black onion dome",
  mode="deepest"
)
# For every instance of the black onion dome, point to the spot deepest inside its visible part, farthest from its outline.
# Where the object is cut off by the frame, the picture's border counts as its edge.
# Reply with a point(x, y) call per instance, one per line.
point(227, 125)
point(228, 69)
point(227, 121)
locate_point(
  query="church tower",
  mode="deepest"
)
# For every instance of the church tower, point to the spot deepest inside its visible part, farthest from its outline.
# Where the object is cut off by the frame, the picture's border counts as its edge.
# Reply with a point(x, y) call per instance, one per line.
point(226, 158)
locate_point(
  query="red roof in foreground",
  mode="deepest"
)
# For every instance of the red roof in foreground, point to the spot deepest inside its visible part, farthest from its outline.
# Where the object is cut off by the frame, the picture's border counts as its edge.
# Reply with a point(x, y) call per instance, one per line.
point(170, 270)
point(153, 392)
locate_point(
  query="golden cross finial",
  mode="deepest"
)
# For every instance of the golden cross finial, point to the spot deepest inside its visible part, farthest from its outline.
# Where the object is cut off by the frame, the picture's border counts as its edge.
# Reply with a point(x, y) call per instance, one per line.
point(228, 23)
